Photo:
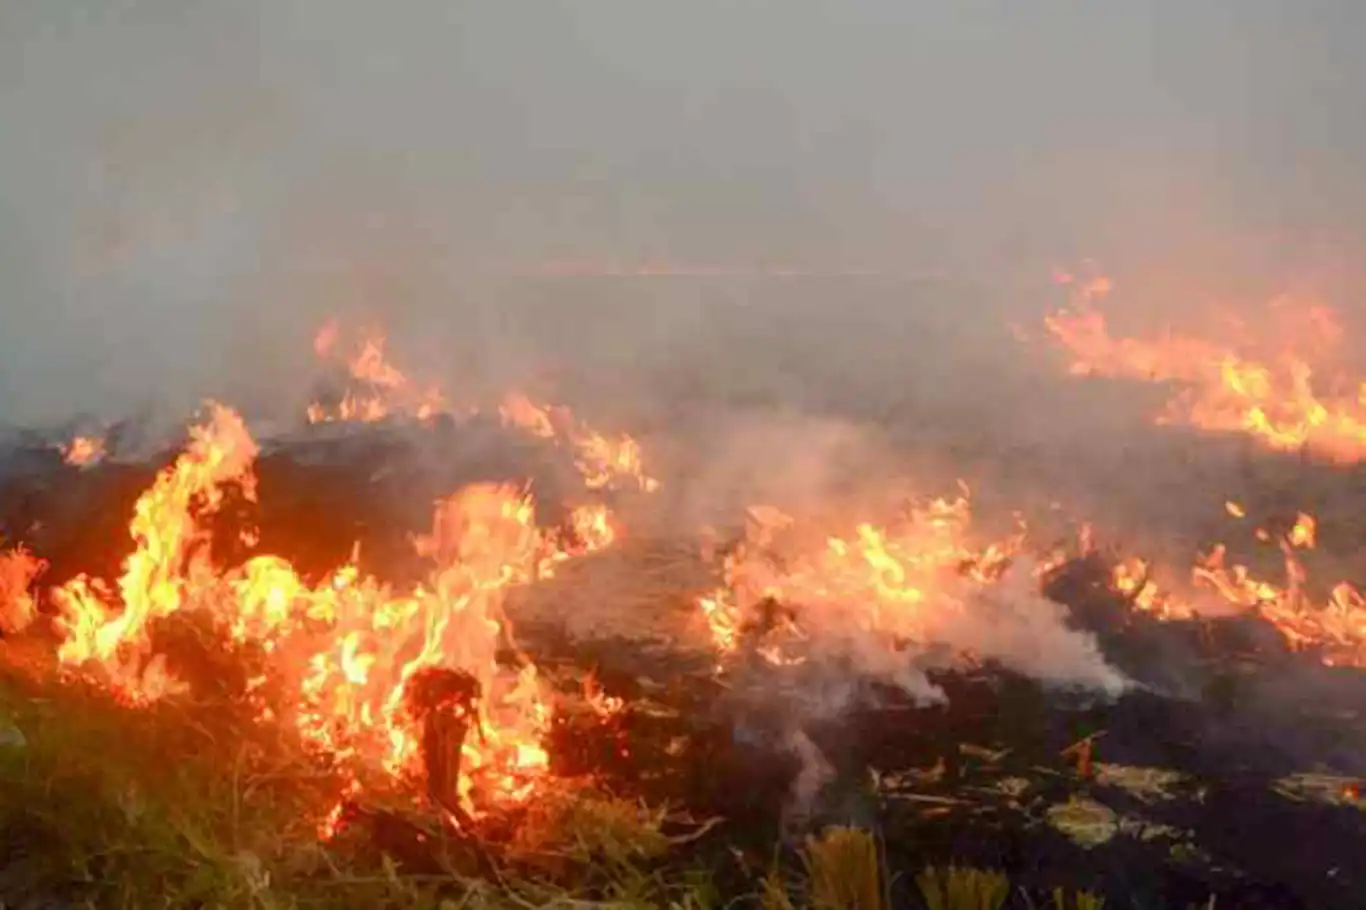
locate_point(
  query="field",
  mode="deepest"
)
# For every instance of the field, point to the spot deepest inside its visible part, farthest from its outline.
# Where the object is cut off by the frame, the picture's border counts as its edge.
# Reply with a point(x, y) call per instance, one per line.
point(763, 651)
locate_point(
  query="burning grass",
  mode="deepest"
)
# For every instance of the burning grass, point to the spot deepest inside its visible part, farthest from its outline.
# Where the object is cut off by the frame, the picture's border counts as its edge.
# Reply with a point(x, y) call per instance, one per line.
point(200, 803)
point(185, 804)
point(220, 726)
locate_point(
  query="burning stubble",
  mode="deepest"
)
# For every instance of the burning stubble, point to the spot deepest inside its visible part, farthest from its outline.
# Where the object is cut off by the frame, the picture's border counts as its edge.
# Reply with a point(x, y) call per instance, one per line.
point(792, 283)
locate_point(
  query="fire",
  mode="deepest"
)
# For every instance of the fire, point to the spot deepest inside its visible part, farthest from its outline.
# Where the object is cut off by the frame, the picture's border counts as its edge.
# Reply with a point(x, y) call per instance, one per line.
point(1336, 628)
point(83, 451)
point(378, 389)
point(168, 560)
point(347, 652)
point(1280, 401)
point(372, 677)
point(18, 570)
point(1132, 578)
point(382, 391)
point(893, 581)
point(1284, 399)
point(600, 459)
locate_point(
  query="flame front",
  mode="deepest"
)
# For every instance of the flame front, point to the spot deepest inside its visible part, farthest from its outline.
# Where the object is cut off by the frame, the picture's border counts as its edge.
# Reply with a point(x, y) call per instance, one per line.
point(379, 391)
point(18, 570)
point(893, 582)
point(1286, 399)
point(1335, 627)
point(168, 563)
point(83, 451)
point(345, 650)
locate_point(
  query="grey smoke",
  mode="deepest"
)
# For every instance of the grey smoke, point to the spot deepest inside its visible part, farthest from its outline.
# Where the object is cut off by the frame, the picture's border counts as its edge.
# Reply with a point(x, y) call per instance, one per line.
point(189, 186)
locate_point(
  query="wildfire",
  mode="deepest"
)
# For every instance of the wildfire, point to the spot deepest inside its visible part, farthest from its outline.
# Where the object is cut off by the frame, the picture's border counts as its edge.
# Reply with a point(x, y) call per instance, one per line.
point(1131, 577)
point(894, 582)
point(346, 652)
point(378, 389)
point(1284, 399)
point(18, 570)
point(83, 451)
point(381, 391)
point(600, 459)
point(373, 677)
point(1335, 628)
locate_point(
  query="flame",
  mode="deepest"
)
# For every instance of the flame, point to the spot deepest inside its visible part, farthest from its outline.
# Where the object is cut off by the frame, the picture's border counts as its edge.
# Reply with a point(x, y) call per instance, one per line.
point(1335, 628)
point(888, 580)
point(378, 390)
point(600, 459)
point(344, 651)
point(83, 451)
point(382, 391)
point(18, 570)
point(1281, 399)
point(167, 560)
point(346, 655)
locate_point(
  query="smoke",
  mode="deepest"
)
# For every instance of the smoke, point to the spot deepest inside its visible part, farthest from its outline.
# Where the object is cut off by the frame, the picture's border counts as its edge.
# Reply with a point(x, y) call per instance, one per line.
point(1011, 622)
point(190, 187)
point(847, 645)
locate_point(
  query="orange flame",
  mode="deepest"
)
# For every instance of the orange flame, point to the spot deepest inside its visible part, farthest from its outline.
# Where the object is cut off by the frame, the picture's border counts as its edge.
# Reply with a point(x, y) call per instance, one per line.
point(900, 575)
point(166, 562)
point(380, 390)
point(18, 570)
point(343, 651)
point(1336, 627)
point(1277, 400)
point(83, 451)
point(383, 391)
point(600, 459)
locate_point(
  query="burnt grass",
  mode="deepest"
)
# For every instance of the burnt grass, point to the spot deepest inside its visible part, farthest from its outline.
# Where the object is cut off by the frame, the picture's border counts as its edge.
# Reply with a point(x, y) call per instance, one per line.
point(975, 779)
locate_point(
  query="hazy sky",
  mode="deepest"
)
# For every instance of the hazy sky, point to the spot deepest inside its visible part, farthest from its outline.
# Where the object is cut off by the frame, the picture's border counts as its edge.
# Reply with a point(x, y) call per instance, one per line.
point(186, 185)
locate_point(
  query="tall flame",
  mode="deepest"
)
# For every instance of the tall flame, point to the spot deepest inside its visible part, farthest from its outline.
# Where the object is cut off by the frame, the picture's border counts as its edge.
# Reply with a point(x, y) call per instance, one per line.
point(346, 650)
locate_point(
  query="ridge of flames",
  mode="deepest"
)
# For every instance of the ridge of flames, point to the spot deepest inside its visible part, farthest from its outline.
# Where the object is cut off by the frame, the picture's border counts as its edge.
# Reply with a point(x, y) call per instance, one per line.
point(785, 589)
point(1285, 400)
point(379, 390)
point(346, 648)
point(343, 651)
point(890, 581)
point(1334, 627)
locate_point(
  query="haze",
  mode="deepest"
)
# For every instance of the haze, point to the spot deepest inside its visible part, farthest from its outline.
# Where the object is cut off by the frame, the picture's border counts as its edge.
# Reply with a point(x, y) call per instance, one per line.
point(187, 188)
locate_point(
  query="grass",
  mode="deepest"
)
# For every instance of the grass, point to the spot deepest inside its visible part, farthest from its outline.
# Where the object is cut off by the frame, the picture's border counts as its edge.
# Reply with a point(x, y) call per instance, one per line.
point(184, 805)
point(200, 806)
point(958, 888)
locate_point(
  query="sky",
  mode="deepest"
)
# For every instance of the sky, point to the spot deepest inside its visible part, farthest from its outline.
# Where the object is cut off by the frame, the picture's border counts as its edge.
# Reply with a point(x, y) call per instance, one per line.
point(188, 187)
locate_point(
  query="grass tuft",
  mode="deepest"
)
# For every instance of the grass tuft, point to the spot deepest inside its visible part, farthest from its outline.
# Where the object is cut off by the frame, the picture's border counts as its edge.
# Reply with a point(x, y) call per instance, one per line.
point(962, 888)
point(1082, 900)
point(844, 871)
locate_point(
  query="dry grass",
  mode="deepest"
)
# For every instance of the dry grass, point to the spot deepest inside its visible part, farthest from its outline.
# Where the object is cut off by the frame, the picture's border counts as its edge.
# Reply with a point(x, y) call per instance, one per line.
point(844, 869)
point(960, 888)
point(199, 806)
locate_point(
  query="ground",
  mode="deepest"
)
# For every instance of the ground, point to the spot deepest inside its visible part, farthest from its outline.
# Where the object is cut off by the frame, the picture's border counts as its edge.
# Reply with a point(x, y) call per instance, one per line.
point(1228, 775)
